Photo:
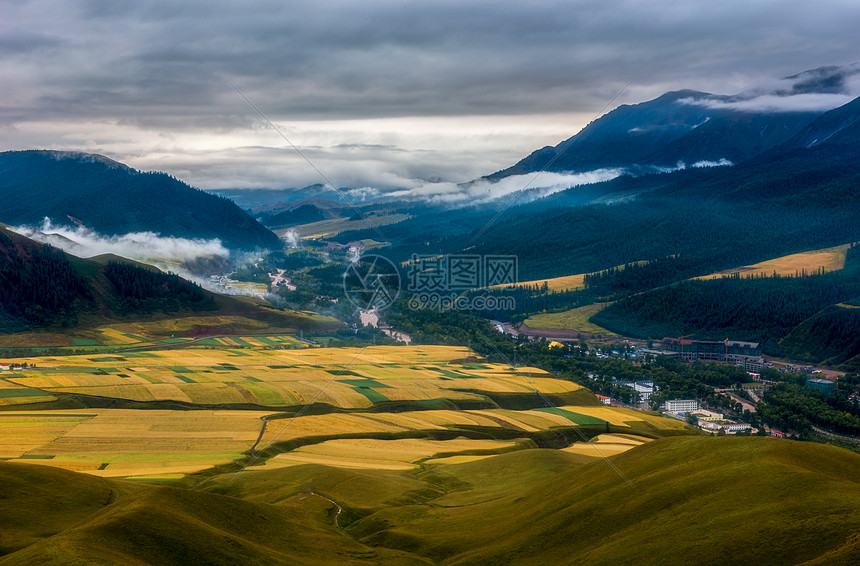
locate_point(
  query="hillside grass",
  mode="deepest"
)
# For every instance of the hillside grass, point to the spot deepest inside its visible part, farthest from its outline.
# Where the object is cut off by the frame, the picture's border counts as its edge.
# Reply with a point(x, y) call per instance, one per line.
point(574, 319)
point(724, 501)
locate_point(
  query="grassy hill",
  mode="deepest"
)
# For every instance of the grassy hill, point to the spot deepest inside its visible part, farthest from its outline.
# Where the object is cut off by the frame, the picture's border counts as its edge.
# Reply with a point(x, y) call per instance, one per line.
point(719, 500)
point(42, 287)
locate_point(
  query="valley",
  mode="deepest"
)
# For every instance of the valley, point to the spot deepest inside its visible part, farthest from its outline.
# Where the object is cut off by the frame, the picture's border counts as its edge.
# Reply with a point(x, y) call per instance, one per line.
point(638, 345)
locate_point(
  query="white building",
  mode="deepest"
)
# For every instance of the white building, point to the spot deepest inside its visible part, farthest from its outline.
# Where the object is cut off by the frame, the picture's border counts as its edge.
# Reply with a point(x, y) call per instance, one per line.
point(681, 405)
point(726, 426)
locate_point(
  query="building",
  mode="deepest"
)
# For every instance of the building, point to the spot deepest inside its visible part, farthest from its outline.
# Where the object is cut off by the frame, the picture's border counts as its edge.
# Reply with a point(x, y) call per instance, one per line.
point(744, 354)
point(681, 405)
point(727, 426)
point(643, 388)
point(604, 399)
point(823, 385)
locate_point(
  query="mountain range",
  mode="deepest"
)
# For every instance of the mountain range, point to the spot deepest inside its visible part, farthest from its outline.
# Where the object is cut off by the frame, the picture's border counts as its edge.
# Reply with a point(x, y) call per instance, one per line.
point(112, 199)
point(691, 127)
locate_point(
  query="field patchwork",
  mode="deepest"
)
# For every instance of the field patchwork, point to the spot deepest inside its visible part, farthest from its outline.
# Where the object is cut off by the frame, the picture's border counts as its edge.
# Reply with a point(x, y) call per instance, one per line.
point(128, 443)
point(228, 392)
point(282, 378)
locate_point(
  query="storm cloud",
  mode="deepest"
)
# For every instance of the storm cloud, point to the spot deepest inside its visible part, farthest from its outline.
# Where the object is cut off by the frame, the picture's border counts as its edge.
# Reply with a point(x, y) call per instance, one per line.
point(378, 93)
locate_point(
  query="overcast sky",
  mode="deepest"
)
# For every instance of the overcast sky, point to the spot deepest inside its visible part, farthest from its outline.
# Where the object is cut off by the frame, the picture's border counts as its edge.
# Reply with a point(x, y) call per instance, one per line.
point(387, 94)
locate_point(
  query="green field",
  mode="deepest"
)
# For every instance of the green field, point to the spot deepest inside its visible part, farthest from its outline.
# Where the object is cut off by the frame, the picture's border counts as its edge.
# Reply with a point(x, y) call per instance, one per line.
point(574, 319)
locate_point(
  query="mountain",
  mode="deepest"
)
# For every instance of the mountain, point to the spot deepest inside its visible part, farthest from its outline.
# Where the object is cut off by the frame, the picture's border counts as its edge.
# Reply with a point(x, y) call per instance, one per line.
point(113, 199)
point(623, 137)
point(41, 286)
point(691, 127)
point(301, 211)
point(729, 500)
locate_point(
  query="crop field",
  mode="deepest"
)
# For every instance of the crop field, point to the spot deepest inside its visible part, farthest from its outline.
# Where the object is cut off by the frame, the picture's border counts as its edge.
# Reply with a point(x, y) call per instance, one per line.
point(401, 454)
point(168, 444)
point(574, 319)
point(202, 330)
point(829, 259)
point(565, 283)
point(228, 390)
point(13, 394)
point(282, 378)
point(605, 445)
point(123, 443)
point(443, 419)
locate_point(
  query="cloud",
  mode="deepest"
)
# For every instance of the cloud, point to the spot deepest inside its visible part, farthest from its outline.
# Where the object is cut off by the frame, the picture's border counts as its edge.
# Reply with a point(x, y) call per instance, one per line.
point(816, 90)
point(777, 103)
point(143, 246)
point(723, 162)
point(144, 82)
point(532, 186)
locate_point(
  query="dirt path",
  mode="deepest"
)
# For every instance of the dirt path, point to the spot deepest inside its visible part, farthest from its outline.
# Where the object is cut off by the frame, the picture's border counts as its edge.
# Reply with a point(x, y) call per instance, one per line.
point(338, 508)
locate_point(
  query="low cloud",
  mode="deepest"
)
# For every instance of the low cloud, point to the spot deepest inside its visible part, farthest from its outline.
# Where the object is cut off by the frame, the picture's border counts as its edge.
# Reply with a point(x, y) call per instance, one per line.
point(534, 185)
point(818, 90)
point(778, 103)
point(143, 246)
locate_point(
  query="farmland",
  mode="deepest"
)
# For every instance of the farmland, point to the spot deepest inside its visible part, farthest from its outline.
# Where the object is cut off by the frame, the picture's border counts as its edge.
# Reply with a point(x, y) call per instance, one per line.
point(165, 414)
point(282, 378)
point(170, 331)
point(122, 443)
point(827, 260)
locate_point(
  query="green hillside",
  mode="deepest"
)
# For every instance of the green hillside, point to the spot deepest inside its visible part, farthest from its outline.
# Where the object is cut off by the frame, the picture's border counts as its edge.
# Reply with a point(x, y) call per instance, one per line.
point(42, 287)
point(832, 337)
point(720, 500)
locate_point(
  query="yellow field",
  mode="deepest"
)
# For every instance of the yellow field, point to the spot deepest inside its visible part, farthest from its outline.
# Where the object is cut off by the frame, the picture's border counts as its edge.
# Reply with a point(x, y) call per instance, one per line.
point(574, 319)
point(122, 443)
point(829, 259)
point(565, 283)
point(12, 393)
point(156, 443)
point(161, 443)
point(605, 445)
point(280, 378)
point(370, 453)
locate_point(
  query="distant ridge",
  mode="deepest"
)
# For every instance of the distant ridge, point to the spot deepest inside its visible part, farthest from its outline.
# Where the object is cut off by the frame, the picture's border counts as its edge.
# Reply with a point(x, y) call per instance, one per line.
point(113, 199)
point(688, 126)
